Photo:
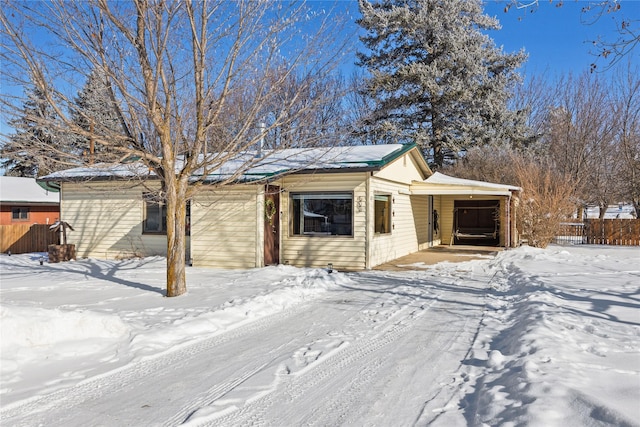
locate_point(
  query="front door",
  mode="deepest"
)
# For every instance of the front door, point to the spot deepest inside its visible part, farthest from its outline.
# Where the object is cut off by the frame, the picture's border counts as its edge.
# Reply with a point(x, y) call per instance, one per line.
point(271, 225)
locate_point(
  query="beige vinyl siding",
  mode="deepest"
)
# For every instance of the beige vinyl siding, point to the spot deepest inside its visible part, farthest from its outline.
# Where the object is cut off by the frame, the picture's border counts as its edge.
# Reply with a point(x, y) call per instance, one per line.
point(420, 210)
point(404, 169)
point(224, 228)
point(403, 238)
point(107, 220)
point(437, 236)
point(446, 217)
point(344, 252)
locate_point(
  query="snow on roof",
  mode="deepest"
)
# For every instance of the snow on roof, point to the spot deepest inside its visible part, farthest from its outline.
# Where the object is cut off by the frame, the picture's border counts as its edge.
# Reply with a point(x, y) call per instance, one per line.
point(259, 166)
point(440, 178)
point(126, 170)
point(25, 190)
point(297, 159)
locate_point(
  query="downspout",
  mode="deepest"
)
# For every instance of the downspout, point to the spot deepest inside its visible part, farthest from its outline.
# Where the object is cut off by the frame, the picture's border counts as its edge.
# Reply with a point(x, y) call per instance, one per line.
point(508, 236)
point(260, 199)
point(367, 237)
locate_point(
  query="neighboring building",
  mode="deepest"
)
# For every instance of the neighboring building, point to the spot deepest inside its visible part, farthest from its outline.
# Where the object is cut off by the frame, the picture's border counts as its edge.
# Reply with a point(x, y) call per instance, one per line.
point(354, 207)
point(24, 201)
point(619, 211)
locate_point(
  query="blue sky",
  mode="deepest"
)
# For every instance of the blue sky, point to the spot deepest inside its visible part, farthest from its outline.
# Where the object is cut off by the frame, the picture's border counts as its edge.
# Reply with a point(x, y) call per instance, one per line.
point(557, 39)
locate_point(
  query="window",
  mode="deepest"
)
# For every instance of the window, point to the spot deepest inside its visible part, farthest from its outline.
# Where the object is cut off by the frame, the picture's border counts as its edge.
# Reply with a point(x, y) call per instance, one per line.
point(320, 214)
point(20, 214)
point(382, 208)
point(155, 216)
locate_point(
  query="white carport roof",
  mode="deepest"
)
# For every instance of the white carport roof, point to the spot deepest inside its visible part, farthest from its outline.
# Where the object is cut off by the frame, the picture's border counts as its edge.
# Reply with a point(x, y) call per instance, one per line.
point(439, 183)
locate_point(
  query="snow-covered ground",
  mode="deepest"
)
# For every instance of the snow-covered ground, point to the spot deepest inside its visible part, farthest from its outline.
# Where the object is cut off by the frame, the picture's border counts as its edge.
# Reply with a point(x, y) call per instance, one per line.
point(529, 337)
point(619, 211)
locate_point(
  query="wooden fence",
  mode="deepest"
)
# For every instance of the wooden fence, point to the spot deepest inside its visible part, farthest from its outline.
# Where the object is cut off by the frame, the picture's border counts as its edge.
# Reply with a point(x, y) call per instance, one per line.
point(21, 239)
point(612, 232)
point(600, 232)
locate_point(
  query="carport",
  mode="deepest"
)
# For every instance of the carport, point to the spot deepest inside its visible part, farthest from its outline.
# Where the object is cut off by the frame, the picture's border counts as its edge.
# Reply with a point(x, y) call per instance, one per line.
point(470, 213)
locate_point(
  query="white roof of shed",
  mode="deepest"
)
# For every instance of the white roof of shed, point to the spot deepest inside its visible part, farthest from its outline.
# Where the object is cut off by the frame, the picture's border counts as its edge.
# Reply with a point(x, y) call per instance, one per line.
point(25, 190)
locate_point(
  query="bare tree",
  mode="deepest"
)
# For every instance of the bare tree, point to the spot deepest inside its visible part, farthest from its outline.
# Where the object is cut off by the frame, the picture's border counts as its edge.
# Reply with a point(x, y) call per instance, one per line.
point(364, 124)
point(580, 137)
point(547, 199)
point(176, 69)
point(610, 49)
point(314, 106)
point(486, 163)
point(627, 111)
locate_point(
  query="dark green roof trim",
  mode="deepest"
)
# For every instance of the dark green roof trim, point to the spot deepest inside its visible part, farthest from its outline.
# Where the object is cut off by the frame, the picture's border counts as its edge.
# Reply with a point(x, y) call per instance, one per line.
point(358, 166)
point(51, 186)
point(390, 157)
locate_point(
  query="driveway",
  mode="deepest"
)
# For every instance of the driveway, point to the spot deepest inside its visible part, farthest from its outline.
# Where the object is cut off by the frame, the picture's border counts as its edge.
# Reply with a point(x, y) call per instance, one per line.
point(435, 255)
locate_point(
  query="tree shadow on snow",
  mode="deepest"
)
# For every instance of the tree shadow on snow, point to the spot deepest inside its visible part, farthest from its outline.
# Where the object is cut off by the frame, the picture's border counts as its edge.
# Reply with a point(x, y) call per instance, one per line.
point(88, 268)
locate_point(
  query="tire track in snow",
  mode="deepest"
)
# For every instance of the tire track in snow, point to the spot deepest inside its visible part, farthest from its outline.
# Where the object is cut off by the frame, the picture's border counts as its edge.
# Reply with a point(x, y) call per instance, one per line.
point(337, 407)
point(112, 381)
point(362, 353)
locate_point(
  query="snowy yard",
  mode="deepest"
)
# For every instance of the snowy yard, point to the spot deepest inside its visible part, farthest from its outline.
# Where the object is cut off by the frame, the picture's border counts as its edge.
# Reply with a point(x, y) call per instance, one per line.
point(530, 337)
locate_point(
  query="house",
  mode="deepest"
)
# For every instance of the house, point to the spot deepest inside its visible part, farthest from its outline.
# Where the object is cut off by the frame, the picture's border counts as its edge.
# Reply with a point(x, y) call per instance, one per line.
point(24, 201)
point(354, 207)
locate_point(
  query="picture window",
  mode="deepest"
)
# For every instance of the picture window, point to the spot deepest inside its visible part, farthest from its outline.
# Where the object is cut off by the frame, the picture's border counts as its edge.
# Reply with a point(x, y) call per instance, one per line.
point(322, 214)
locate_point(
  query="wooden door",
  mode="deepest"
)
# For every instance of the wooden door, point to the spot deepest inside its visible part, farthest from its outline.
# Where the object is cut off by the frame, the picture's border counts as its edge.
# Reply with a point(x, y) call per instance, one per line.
point(271, 225)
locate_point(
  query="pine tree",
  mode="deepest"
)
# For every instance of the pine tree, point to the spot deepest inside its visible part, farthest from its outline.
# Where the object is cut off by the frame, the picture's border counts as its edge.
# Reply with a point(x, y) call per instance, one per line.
point(24, 152)
point(96, 113)
point(436, 78)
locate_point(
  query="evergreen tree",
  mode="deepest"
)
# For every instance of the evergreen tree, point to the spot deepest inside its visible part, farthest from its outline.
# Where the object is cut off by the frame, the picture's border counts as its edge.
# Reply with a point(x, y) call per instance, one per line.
point(23, 154)
point(96, 114)
point(436, 78)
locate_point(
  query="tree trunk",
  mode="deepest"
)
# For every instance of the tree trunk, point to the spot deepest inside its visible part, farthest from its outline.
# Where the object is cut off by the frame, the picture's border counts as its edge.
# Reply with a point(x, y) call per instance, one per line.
point(438, 155)
point(176, 238)
point(436, 139)
point(436, 145)
point(602, 209)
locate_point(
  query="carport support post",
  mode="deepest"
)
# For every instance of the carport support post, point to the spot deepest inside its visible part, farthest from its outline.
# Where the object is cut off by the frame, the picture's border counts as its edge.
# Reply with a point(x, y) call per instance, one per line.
point(368, 222)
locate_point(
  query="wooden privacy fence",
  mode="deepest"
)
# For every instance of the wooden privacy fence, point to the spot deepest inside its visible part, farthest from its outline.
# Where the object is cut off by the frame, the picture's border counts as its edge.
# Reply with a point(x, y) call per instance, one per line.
point(600, 232)
point(612, 232)
point(21, 239)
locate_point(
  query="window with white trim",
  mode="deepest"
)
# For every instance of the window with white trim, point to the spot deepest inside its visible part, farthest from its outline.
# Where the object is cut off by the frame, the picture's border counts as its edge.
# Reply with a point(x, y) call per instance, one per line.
point(382, 217)
point(155, 216)
point(322, 214)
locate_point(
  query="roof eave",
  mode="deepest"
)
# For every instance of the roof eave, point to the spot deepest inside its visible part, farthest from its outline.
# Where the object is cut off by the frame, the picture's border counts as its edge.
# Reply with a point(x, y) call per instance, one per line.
point(97, 178)
point(28, 203)
point(459, 192)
